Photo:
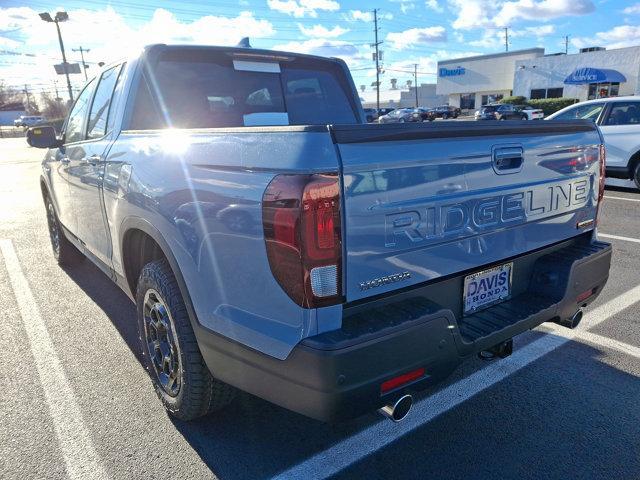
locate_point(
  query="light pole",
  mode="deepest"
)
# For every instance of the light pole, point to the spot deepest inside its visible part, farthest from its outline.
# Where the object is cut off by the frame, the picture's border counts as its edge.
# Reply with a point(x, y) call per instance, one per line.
point(60, 17)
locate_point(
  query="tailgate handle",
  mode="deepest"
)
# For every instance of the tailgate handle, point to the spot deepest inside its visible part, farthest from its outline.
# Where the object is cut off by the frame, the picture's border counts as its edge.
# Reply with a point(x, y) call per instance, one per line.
point(507, 160)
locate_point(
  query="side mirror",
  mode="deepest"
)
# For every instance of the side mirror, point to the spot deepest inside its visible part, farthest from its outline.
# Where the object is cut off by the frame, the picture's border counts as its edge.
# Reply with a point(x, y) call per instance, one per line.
point(42, 137)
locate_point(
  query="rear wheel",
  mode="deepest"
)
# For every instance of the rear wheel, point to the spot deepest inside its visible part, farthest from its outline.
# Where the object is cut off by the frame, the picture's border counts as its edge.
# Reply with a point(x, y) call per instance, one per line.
point(524, 117)
point(636, 174)
point(170, 351)
point(65, 253)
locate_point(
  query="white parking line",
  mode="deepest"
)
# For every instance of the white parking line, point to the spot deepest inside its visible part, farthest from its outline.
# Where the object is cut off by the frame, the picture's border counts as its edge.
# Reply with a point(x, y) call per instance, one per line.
point(350, 450)
point(623, 198)
point(80, 457)
point(618, 237)
point(602, 341)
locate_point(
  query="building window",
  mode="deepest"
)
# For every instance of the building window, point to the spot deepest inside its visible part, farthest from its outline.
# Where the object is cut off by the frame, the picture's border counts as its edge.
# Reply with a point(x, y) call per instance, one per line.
point(468, 101)
point(538, 93)
point(487, 99)
point(555, 92)
point(603, 90)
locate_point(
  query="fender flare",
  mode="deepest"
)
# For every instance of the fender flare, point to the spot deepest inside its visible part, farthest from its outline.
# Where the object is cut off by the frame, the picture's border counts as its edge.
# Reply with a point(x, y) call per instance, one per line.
point(139, 223)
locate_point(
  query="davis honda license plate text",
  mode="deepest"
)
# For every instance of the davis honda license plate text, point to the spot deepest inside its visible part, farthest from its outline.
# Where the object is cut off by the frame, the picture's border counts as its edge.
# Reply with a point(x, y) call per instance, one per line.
point(486, 288)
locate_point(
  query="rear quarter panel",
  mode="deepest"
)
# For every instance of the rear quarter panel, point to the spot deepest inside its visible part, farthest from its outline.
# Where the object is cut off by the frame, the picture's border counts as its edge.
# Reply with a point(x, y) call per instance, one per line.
point(193, 186)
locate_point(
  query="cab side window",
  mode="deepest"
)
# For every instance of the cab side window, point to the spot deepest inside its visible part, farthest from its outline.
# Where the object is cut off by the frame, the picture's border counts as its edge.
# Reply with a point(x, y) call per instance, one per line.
point(74, 131)
point(97, 126)
point(624, 113)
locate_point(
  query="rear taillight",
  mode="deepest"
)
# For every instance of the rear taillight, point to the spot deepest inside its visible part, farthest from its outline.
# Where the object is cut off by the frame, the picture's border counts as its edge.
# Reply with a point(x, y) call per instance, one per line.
point(301, 219)
point(603, 165)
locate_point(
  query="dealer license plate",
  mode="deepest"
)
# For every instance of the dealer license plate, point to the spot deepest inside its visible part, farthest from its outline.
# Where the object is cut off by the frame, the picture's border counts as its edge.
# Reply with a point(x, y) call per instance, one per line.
point(486, 288)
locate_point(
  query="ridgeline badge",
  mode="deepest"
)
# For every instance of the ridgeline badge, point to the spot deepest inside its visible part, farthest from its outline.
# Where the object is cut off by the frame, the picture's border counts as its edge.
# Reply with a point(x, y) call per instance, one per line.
point(378, 282)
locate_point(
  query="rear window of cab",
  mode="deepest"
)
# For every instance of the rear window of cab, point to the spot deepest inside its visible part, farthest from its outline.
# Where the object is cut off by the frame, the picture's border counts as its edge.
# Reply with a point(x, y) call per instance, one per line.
point(206, 89)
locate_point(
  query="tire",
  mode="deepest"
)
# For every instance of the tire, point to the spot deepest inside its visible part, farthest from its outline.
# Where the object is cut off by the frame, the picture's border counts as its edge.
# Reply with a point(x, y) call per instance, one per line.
point(524, 117)
point(636, 174)
point(180, 377)
point(445, 116)
point(65, 253)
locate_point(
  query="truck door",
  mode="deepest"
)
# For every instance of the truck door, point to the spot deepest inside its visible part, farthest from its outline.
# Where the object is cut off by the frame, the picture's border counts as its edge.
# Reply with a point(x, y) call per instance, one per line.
point(60, 162)
point(86, 170)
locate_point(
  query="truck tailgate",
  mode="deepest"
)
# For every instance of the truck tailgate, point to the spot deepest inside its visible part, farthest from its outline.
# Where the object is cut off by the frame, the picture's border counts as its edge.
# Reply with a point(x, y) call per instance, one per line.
point(427, 201)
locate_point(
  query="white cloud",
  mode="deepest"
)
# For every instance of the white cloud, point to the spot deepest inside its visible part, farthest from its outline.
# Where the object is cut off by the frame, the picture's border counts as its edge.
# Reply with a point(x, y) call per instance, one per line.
point(544, 10)
point(322, 31)
point(434, 5)
point(302, 8)
point(365, 16)
point(632, 10)
point(327, 48)
point(416, 36)
point(39, 38)
point(484, 13)
point(617, 37)
point(405, 5)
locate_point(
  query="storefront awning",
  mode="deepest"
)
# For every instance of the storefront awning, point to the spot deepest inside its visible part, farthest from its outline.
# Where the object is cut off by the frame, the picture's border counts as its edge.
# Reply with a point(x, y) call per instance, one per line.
point(583, 76)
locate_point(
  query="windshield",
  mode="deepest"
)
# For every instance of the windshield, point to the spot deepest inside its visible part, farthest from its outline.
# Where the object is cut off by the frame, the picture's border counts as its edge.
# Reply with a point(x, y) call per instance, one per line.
point(203, 89)
point(590, 111)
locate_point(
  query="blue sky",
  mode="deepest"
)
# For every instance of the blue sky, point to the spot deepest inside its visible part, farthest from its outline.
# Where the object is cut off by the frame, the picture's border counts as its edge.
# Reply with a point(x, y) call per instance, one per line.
point(413, 31)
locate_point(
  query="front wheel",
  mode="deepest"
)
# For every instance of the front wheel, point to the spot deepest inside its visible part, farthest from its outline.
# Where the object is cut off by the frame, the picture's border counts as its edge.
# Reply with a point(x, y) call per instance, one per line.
point(636, 175)
point(170, 351)
point(524, 117)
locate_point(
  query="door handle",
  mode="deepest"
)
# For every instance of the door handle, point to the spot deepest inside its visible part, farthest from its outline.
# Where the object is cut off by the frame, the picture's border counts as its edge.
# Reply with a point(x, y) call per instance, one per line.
point(507, 160)
point(93, 159)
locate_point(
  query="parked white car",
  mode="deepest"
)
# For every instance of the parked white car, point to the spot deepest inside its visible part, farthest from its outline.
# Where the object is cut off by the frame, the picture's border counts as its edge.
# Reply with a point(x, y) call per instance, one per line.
point(533, 113)
point(27, 120)
point(619, 122)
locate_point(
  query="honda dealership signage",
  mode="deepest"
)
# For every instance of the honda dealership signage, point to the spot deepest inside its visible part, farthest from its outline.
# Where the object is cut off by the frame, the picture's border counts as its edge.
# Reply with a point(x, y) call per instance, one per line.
point(451, 72)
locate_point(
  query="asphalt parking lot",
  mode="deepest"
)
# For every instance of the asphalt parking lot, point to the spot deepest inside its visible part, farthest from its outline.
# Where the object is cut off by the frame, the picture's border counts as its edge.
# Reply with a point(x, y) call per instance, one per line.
point(76, 403)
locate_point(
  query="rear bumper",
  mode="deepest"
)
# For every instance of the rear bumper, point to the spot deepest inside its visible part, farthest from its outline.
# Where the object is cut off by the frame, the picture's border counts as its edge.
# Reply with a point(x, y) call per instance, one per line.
point(338, 374)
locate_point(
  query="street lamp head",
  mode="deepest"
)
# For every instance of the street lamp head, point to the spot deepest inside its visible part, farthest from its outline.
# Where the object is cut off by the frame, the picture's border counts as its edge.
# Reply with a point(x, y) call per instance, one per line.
point(62, 16)
point(46, 17)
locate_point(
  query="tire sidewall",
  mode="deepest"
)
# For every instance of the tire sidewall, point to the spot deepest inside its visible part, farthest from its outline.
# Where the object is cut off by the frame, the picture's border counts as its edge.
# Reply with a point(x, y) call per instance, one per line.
point(145, 283)
point(636, 175)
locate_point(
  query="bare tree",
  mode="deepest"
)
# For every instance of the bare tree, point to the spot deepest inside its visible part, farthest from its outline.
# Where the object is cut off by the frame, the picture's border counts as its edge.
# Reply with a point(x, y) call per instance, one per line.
point(52, 108)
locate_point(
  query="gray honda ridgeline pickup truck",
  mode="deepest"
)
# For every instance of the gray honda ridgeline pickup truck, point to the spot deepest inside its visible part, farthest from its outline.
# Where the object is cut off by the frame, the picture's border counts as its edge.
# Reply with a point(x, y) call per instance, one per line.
point(275, 243)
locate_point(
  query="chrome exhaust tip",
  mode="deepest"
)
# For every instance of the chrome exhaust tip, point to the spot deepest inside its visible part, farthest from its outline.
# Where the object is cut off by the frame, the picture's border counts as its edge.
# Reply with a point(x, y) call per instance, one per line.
point(399, 410)
point(573, 321)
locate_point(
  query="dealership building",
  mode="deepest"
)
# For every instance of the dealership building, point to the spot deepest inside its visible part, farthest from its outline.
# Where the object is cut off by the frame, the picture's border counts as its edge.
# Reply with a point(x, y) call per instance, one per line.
point(592, 73)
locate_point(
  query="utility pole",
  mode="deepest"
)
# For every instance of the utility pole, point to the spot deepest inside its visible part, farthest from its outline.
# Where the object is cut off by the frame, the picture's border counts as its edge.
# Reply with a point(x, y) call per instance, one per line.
point(55, 85)
point(26, 93)
point(84, 65)
point(566, 44)
point(506, 39)
point(377, 54)
point(415, 80)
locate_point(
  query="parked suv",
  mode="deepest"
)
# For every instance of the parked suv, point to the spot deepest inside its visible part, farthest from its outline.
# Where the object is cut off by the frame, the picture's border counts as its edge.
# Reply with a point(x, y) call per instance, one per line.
point(446, 111)
point(619, 122)
point(503, 111)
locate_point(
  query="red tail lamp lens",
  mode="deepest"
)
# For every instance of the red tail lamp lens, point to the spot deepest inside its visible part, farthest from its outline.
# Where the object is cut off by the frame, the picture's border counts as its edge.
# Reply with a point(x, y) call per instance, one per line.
point(301, 219)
